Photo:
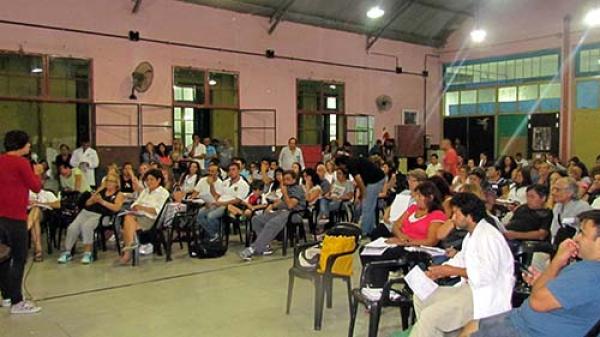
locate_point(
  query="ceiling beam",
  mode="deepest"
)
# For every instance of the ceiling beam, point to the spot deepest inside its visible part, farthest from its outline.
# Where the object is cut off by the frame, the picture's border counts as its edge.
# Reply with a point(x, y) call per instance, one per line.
point(446, 8)
point(371, 39)
point(278, 14)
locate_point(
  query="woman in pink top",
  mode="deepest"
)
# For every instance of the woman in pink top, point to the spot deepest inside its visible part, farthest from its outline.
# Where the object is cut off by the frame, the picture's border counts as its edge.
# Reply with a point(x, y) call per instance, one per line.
point(419, 223)
point(416, 227)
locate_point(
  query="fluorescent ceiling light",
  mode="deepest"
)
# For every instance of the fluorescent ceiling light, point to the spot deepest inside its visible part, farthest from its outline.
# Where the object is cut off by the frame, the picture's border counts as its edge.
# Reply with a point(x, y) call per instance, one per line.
point(375, 12)
point(212, 82)
point(478, 35)
point(37, 70)
point(592, 18)
point(332, 86)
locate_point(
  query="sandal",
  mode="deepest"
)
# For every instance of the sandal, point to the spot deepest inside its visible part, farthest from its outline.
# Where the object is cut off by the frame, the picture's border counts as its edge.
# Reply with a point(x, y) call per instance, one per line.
point(38, 257)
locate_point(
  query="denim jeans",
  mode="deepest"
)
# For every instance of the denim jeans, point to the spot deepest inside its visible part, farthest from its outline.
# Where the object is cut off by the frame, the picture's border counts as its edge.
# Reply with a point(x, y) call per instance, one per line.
point(210, 219)
point(497, 326)
point(369, 206)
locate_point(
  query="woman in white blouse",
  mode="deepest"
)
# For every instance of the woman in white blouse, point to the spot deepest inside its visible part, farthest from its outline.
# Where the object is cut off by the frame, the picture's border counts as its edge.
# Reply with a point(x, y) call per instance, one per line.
point(146, 209)
point(188, 181)
point(518, 190)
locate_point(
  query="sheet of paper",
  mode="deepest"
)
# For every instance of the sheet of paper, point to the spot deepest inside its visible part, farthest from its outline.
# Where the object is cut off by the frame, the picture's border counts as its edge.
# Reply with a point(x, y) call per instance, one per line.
point(373, 251)
point(433, 251)
point(380, 243)
point(421, 285)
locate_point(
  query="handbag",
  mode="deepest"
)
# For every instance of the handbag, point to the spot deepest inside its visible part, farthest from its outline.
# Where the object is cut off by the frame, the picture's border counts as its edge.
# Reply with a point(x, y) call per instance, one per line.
point(333, 245)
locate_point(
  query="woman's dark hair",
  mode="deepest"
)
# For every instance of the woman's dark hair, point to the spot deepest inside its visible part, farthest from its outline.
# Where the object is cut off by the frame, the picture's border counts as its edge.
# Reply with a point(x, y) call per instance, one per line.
point(275, 184)
point(469, 204)
point(160, 152)
point(442, 186)
point(390, 164)
point(187, 173)
point(314, 177)
point(342, 161)
point(431, 192)
point(539, 189)
point(15, 140)
point(64, 146)
point(157, 174)
point(299, 165)
point(479, 173)
point(526, 177)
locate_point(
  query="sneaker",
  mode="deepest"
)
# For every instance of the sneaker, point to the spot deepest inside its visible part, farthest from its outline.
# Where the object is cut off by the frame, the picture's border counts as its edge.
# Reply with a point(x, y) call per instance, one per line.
point(6, 303)
point(214, 238)
point(24, 307)
point(112, 238)
point(65, 257)
point(246, 254)
point(322, 221)
point(268, 251)
point(87, 258)
point(146, 249)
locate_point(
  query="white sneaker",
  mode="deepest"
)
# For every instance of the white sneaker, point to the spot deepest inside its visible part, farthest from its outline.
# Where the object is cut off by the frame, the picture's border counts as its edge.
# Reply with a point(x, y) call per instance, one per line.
point(146, 249)
point(25, 307)
point(6, 303)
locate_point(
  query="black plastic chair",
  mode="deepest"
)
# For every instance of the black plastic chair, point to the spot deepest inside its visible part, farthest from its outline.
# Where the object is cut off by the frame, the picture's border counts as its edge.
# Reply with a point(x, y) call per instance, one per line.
point(403, 298)
point(106, 222)
point(323, 282)
point(523, 255)
point(294, 228)
point(402, 301)
point(183, 225)
point(155, 235)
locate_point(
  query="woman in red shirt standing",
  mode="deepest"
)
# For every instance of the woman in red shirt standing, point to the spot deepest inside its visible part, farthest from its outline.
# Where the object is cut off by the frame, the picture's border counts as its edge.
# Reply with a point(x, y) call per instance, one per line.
point(16, 180)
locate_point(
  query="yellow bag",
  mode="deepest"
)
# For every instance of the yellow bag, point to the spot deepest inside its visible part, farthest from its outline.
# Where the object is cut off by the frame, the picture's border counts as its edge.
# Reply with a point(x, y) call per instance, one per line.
point(336, 245)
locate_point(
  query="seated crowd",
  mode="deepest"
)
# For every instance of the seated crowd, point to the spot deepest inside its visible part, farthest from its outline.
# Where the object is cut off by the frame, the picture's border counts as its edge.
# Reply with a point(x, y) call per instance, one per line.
point(480, 212)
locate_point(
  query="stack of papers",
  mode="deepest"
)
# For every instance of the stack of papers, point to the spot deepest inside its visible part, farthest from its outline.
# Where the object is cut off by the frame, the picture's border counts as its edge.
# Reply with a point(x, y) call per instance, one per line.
point(433, 251)
point(377, 247)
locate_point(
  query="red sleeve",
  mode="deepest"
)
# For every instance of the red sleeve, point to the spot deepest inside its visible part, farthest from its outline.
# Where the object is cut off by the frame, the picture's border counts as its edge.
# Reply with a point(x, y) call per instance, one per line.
point(32, 181)
point(411, 209)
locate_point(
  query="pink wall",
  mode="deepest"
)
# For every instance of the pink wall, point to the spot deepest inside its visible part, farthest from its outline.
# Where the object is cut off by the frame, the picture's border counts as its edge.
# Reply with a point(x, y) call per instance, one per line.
point(264, 83)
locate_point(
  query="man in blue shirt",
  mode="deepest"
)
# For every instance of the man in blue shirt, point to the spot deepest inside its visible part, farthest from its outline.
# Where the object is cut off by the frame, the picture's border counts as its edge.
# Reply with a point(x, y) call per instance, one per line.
point(565, 300)
point(211, 151)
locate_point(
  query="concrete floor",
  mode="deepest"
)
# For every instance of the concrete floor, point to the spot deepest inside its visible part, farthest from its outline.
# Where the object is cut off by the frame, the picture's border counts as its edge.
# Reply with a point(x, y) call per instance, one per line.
point(185, 297)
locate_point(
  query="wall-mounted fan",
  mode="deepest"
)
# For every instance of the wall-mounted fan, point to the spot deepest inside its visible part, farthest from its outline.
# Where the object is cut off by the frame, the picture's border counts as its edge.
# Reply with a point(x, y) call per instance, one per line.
point(384, 103)
point(141, 78)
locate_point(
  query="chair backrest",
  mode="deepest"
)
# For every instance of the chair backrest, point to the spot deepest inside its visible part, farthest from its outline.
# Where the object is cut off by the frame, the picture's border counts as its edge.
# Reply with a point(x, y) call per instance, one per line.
point(346, 229)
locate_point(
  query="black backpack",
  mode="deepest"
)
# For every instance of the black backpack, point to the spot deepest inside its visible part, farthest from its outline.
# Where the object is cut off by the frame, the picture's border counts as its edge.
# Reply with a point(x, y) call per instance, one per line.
point(208, 249)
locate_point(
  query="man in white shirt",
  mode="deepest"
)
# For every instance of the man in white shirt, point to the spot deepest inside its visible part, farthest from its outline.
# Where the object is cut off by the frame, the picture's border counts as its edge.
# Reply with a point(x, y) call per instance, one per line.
point(197, 151)
point(434, 165)
point(86, 159)
point(234, 190)
point(209, 188)
point(290, 154)
point(486, 267)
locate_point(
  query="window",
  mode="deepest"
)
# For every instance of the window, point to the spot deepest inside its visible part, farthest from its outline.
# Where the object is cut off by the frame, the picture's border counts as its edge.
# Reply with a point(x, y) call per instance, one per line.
point(34, 83)
point(205, 103)
point(223, 89)
point(515, 67)
point(188, 85)
point(507, 94)
point(451, 103)
point(320, 107)
point(528, 92)
point(183, 127)
point(69, 78)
